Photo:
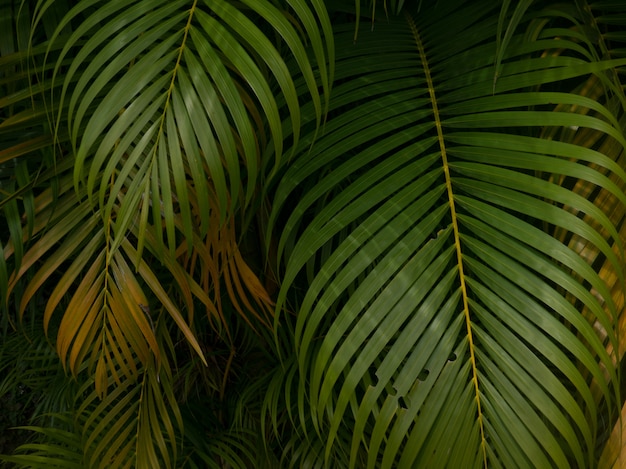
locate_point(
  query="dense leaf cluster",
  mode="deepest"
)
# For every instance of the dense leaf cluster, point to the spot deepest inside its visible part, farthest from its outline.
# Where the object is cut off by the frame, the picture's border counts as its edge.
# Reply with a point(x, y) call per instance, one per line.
point(299, 233)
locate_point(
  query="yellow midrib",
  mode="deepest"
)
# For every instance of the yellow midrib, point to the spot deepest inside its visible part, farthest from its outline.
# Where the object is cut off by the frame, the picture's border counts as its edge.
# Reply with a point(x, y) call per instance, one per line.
point(455, 226)
point(192, 10)
point(147, 180)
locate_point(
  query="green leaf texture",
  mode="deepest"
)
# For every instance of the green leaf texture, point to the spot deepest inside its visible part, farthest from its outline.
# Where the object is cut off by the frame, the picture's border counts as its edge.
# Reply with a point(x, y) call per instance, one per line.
point(160, 93)
point(441, 322)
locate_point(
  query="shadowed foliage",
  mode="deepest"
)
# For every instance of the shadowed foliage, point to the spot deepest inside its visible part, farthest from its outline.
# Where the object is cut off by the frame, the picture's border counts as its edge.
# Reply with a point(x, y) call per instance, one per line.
point(297, 233)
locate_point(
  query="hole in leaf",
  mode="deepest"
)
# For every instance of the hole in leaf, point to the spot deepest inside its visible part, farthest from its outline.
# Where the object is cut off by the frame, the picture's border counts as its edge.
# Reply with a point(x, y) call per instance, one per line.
point(423, 375)
point(404, 402)
point(373, 376)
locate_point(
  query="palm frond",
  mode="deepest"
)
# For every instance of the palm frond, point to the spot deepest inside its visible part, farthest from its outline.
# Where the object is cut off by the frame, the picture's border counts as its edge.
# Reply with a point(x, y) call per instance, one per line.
point(26, 136)
point(437, 296)
point(61, 449)
point(447, 232)
point(175, 94)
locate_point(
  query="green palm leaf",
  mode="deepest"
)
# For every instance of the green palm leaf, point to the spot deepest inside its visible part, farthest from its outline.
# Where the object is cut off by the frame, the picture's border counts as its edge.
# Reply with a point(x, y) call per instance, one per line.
point(438, 308)
point(160, 113)
point(62, 450)
point(452, 233)
point(25, 133)
point(171, 89)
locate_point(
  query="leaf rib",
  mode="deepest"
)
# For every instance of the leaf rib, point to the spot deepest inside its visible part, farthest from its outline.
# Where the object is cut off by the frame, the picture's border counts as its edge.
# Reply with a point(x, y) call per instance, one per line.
point(176, 67)
point(455, 226)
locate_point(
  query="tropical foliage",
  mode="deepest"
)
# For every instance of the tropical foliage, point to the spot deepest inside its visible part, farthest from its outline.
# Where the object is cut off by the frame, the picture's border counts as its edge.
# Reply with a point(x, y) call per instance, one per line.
point(297, 233)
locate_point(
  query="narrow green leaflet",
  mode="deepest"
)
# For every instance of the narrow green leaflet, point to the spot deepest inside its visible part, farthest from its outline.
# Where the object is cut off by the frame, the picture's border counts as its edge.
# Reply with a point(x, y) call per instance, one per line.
point(436, 302)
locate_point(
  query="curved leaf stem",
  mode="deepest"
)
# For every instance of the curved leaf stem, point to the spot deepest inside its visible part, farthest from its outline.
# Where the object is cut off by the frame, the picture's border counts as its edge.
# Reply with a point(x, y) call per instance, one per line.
point(178, 59)
point(455, 226)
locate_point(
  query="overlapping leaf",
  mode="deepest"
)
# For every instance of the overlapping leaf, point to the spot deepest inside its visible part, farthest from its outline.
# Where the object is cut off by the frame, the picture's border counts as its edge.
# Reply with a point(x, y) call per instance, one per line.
point(176, 89)
point(456, 228)
point(438, 299)
point(26, 136)
point(166, 107)
point(107, 322)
